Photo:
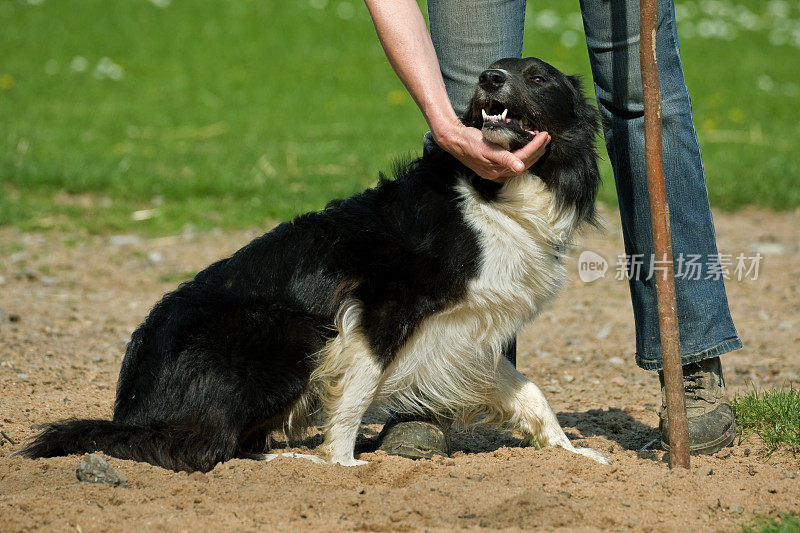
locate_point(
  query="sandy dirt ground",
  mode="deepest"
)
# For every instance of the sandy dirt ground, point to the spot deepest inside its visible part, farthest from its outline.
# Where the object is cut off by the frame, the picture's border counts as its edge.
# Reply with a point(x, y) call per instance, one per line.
point(68, 304)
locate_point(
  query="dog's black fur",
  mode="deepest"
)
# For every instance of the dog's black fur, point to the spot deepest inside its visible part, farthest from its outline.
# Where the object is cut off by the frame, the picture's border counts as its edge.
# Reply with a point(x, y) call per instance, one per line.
point(218, 362)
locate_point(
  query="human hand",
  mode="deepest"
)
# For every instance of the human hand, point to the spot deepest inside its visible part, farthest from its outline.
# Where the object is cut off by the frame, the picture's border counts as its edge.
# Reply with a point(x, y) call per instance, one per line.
point(489, 160)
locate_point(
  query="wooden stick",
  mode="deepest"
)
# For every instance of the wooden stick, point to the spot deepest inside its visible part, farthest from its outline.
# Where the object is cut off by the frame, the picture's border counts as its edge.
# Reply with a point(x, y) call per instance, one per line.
point(678, 435)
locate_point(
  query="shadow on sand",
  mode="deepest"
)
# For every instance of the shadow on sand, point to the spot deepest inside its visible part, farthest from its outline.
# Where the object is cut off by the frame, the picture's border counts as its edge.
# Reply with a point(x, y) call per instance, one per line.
point(612, 424)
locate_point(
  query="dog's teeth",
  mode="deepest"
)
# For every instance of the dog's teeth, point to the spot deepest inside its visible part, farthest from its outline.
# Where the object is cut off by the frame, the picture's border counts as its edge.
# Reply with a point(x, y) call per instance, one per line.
point(503, 114)
point(485, 116)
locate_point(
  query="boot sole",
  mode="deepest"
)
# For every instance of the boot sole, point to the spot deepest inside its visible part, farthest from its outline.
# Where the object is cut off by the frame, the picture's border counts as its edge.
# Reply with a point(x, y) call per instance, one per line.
point(711, 447)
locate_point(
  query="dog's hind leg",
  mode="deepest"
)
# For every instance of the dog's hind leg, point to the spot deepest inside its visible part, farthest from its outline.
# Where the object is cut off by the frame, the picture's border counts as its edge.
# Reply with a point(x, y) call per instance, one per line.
point(526, 408)
point(347, 395)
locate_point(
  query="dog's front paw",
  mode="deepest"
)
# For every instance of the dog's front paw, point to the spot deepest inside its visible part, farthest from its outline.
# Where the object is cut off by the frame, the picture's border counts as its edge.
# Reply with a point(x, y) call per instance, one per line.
point(312, 458)
point(349, 462)
point(593, 454)
point(266, 457)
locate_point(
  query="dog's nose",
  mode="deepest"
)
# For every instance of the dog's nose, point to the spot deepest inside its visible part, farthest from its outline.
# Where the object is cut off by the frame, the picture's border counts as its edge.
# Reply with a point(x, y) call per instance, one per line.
point(492, 79)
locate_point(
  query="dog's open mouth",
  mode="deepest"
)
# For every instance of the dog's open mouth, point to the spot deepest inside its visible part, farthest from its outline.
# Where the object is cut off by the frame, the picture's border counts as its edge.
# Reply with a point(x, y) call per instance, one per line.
point(496, 116)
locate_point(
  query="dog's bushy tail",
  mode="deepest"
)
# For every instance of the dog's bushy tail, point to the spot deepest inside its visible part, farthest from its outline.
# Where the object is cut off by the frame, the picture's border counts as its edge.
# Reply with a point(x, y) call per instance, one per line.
point(173, 448)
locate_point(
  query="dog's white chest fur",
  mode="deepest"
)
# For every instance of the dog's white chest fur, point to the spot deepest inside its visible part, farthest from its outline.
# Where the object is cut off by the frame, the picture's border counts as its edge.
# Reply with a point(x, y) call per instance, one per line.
point(452, 353)
point(522, 237)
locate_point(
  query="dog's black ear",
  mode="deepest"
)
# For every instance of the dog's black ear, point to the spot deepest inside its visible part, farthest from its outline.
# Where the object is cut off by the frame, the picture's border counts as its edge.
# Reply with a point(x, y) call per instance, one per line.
point(584, 110)
point(571, 166)
point(577, 83)
point(572, 172)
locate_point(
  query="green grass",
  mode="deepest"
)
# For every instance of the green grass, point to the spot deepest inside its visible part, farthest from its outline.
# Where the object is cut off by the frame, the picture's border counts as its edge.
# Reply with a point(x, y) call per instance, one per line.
point(240, 112)
point(773, 415)
point(785, 523)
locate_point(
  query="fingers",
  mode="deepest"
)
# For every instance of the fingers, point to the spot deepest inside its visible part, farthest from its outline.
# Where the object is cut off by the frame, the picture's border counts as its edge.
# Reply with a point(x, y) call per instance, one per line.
point(507, 164)
point(531, 152)
point(523, 158)
point(505, 158)
point(490, 161)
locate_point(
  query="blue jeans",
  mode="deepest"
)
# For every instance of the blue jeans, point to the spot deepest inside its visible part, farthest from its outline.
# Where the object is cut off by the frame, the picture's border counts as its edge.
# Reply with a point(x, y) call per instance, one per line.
point(471, 34)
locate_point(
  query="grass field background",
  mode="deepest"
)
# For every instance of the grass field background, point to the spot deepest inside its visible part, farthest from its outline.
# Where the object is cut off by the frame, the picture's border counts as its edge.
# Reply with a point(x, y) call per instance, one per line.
point(147, 115)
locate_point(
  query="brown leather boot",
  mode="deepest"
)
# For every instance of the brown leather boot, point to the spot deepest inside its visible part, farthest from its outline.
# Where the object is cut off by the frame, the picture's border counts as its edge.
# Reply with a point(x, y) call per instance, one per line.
point(711, 421)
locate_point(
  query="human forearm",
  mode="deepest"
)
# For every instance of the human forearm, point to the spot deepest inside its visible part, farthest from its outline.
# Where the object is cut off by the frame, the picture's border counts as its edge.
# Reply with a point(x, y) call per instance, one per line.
point(405, 39)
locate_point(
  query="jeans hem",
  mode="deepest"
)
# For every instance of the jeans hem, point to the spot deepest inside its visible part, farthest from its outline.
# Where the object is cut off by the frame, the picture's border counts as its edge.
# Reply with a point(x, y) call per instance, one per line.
point(728, 345)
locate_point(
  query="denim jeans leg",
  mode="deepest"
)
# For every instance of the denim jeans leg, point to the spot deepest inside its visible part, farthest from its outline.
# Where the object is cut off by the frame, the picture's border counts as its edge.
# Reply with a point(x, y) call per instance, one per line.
point(704, 320)
point(469, 35)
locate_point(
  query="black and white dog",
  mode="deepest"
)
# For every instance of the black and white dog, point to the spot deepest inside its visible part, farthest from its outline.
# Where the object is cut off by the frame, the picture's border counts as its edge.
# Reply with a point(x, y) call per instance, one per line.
point(403, 295)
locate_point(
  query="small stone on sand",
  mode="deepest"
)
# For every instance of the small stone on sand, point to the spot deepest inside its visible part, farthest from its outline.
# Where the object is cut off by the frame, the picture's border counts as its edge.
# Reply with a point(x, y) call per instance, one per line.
point(95, 469)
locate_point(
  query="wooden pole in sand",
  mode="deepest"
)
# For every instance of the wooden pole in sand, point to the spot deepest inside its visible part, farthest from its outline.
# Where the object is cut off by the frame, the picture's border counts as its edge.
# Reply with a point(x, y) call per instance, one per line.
point(678, 435)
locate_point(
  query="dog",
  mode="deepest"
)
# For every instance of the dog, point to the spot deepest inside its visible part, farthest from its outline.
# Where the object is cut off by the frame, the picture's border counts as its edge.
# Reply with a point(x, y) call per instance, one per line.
point(404, 295)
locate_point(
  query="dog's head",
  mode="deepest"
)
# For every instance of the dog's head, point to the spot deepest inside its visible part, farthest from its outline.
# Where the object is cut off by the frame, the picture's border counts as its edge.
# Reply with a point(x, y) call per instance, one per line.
point(517, 98)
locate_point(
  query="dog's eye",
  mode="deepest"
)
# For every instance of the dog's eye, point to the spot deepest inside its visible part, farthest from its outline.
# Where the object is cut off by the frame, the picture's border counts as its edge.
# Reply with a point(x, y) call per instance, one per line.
point(537, 79)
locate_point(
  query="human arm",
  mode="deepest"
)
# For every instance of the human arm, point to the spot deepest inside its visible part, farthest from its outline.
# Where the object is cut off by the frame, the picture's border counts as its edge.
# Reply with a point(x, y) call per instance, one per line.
point(405, 39)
